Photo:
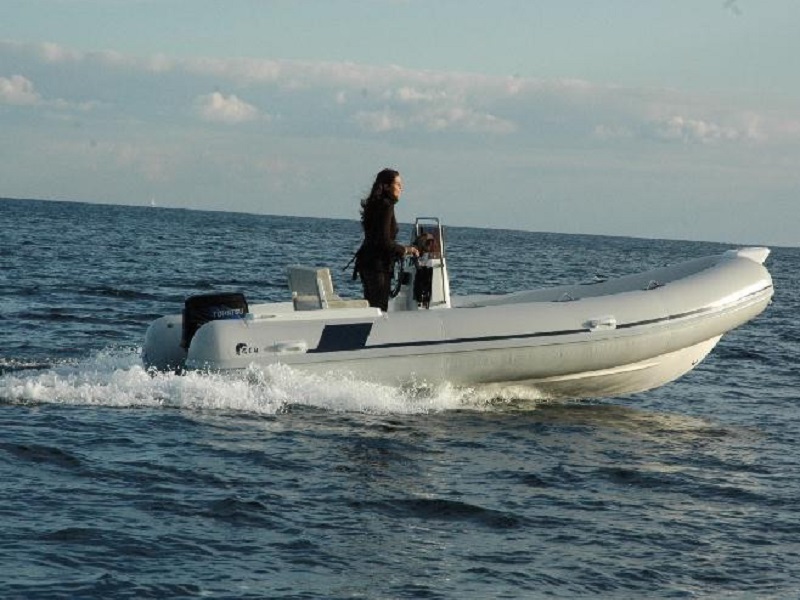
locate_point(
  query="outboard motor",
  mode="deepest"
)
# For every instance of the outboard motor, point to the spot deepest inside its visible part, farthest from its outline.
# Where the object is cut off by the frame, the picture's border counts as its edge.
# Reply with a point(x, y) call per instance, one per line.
point(201, 309)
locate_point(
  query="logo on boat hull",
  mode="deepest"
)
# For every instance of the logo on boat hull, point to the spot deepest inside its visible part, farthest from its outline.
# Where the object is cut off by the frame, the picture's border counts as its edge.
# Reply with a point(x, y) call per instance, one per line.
point(244, 349)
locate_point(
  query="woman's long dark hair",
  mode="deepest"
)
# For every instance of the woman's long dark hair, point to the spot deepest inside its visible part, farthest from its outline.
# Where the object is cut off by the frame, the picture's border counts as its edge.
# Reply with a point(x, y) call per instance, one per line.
point(380, 189)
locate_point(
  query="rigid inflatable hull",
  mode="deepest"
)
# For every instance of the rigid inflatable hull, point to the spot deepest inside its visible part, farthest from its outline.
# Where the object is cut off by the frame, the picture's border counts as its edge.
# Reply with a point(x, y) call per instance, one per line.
point(620, 337)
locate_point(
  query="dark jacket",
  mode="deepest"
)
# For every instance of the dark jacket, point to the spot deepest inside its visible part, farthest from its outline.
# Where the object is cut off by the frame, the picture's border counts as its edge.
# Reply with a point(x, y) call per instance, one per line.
point(379, 249)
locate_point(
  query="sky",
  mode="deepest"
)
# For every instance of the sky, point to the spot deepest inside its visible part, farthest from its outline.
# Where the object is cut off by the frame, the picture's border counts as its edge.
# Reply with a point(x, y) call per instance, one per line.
point(675, 119)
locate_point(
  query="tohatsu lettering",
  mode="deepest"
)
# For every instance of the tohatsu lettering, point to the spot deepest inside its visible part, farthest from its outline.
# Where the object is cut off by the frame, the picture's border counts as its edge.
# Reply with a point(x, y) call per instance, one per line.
point(226, 313)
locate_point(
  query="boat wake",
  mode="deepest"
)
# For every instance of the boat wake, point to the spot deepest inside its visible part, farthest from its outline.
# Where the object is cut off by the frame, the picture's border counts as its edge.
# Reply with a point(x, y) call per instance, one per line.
point(117, 378)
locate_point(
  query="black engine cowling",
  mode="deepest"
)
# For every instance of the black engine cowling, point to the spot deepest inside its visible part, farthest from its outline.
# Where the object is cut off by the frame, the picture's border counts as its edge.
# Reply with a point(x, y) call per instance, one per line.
point(201, 309)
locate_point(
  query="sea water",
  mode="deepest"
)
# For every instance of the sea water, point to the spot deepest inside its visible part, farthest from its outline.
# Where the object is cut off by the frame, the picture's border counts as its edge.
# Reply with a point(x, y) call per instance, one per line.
point(272, 483)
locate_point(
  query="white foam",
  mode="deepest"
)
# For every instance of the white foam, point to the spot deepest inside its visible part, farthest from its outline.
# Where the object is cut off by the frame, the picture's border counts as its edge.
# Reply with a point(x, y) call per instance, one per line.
point(117, 378)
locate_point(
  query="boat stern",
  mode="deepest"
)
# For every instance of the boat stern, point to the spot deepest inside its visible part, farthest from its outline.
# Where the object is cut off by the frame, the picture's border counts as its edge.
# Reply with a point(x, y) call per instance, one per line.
point(162, 349)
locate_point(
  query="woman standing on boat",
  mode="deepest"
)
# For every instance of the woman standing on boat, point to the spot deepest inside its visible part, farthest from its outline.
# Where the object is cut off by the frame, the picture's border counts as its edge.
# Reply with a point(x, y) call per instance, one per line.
point(379, 250)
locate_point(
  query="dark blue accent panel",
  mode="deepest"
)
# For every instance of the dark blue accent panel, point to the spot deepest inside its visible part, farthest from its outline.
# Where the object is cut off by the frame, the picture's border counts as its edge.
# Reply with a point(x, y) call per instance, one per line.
point(337, 338)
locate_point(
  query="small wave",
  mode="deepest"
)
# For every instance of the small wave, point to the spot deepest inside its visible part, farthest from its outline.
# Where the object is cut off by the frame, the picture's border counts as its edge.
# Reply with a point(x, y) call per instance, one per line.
point(55, 315)
point(237, 511)
point(38, 453)
point(107, 291)
point(686, 482)
point(28, 290)
point(743, 353)
point(86, 535)
point(439, 509)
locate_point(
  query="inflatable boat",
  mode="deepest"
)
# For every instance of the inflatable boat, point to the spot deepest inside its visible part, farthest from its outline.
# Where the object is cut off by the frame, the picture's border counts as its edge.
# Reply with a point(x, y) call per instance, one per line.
point(608, 338)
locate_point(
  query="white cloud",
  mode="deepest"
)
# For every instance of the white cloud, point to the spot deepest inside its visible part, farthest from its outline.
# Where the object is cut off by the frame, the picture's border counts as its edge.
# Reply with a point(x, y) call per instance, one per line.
point(465, 119)
point(241, 70)
point(381, 99)
point(613, 132)
point(687, 130)
point(55, 53)
point(218, 108)
point(410, 94)
point(379, 121)
point(683, 130)
point(433, 109)
point(457, 119)
point(18, 90)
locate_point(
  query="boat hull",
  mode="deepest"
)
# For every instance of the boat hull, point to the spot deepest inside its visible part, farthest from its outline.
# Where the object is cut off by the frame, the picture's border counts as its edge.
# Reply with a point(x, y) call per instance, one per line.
point(624, 336)
point(620, 380)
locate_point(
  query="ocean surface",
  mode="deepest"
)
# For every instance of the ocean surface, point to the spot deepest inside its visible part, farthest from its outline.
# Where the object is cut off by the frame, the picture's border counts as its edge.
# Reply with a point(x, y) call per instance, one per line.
point(275, 484)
